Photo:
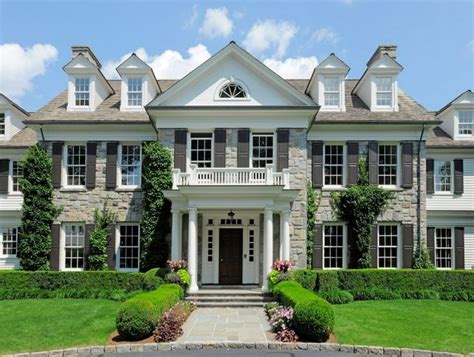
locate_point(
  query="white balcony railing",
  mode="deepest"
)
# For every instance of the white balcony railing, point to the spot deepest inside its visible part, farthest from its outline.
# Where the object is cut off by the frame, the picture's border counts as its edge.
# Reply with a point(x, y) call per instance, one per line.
point(231, 176)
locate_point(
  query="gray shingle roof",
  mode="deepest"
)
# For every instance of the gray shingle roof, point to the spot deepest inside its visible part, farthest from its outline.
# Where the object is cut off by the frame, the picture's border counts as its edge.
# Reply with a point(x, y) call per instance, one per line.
point(24, 138)
point(438, 138)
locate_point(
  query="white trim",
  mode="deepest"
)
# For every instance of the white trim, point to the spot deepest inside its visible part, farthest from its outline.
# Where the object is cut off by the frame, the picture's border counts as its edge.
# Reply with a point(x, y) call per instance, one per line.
point(344, 244)
point(117, 246)
point(188, 147)
point(64, 166)
point(344, 165)
point(399, 246)
point(62, 246)
point(232, 80)
point(453, 247)
point(119, 167)
point(6, 226)
point(399, 166)
point(261, 133)
point(451, 184)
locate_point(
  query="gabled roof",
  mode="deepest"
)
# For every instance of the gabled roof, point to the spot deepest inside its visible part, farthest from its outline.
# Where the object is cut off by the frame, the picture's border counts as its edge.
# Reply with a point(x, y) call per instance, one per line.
point(329, 64)
point(25, 138)
point(13, 104)
point(232, 48)
point(456, 100)
point(135, 63)
point(439, 139)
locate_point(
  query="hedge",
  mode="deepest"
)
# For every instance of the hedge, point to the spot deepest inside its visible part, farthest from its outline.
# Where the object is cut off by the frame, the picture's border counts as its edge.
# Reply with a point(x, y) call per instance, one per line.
point(56, 280)
point(313, 316)
point(138, 316)
point(35, 293)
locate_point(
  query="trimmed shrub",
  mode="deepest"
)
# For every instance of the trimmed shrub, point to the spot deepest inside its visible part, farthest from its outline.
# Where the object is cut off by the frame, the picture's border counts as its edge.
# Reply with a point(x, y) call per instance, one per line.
point(375, 294)
point(290, 293)
point(419, 294)
point(467, 295)
point(138, 316)
point(337, 297)
point(306, 277)
point(35, 293)
point(327, 280)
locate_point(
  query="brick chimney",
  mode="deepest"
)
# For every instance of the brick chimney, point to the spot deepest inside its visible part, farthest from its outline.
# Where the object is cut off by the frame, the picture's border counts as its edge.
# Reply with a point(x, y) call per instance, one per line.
point(87, 53)
point(390, 50)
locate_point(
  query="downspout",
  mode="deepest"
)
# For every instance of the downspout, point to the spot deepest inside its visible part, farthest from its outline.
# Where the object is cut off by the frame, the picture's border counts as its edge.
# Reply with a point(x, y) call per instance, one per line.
point(43, 141)
point(418, 176)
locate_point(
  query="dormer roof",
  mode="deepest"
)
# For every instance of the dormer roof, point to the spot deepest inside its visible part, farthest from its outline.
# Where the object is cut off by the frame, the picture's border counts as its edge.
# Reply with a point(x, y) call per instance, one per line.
point(86, 52)
point(135, 65)
point(7, 100)
point(466, 97)
point(331, 64)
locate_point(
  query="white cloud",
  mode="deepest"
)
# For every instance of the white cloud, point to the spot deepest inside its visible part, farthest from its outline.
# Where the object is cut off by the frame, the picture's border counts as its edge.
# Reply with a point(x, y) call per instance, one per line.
point(298, 67)
point(216, 23)
point(325, 35)
point(470, 46)
point(168, 65)
point(19, 66)
point(270, 34)
point(193, 18)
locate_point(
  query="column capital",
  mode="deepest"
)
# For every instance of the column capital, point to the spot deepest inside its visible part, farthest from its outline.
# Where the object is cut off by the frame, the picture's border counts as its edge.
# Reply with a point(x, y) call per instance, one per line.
point(175, 211)
point(192, 210)
point(268, 209)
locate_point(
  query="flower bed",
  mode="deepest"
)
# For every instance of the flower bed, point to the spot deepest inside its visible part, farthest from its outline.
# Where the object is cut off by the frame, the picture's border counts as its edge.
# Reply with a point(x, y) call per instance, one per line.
point(169, 327)
point(281, 321)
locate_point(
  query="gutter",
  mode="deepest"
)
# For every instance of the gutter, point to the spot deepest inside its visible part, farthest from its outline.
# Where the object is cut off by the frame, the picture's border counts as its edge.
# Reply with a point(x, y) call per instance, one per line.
point(418, 201)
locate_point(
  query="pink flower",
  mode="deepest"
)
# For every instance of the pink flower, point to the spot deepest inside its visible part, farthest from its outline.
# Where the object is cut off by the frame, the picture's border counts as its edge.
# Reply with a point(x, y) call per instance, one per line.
point(282, 266)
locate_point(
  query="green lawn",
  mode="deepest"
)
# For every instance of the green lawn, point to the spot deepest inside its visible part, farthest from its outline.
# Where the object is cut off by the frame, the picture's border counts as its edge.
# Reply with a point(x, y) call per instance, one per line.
point(423, 324)
point(38, 325)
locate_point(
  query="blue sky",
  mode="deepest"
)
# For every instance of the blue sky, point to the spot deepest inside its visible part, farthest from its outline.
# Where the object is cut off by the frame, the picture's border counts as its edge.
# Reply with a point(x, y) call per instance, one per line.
point(435, 39)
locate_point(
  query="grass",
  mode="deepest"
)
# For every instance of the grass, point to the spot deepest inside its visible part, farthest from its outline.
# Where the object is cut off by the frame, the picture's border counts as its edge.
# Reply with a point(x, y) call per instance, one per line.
point(39, 325)
point(423, 324)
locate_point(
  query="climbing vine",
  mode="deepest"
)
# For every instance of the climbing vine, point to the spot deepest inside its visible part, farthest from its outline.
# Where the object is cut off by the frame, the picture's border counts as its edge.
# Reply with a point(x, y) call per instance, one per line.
point(360, 205)
point(99, 239)
point(313, 199)
point(421, 259)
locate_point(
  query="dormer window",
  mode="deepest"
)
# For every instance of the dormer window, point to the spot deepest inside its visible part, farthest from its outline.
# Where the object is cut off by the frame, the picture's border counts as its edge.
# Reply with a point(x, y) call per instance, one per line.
point(135, 94)
point(465, 124)
point(2, 124)
point(383, 91)
point(331, 91)
point(82, 92)
point(232, 91)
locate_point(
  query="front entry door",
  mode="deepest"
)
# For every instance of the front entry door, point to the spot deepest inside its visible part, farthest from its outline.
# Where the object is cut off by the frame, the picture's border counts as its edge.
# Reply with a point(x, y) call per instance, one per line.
point(230, 256)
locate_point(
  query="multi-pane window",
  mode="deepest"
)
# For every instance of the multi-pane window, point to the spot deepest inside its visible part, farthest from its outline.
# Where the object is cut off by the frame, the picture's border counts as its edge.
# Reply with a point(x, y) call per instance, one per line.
point(232, 91)
point(383, 91)
point(443, 248)
point(201, 149)
point(135, 92)
point(130, 165)
point(9, 240)
point(82, 92)
point(388, 162)
point(331, 91)
point(17, 174)
point(262, 150)
point(333, 248)
point(466, 123)
point(442, 176)
point(74, 246)
point(251, 245)
point(210, 244)
point(387, 246)
point(2, 123)
point(129, 250)
point(333, 165)
point(76, 165)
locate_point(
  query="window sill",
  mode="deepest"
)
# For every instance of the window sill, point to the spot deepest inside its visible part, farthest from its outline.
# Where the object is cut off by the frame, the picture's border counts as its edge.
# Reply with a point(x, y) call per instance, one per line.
point(16, 193)
point(128, 189)
point(8, 257)
point(73, 189)
point(334, 188)
point(393, 188)
point(72, 269)
point(128, 270)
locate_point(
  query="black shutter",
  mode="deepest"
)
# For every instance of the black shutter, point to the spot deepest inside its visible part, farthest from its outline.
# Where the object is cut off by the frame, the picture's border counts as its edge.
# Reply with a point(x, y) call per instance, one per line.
point(373, 162)
point(54, 255)
point(459, 247)
point(429, 176)
point(352, 163)
point(180, 139)
point(57, 163)
point(90, 164)
point(4, 172)
point(458, 176)
point(243, 148)
point(317, 163)
point(111, 166)
point(407, 165)
point(351, 248)
point(373, 246)
point(88, 231)
point(283, 138)
point(407, 245)
point(318, 246)
point(430, 243)
point(219, 147)
point(111, 247)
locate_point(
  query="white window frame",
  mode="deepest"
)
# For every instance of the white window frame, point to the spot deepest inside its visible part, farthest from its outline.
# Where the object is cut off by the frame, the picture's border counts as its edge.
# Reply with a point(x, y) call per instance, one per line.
point(453, 247)
point(188, 148)
point(62, 246)
point(135, 92)
point(398, 167)
point(2, 229)
point(273, 134)
point(64, 175)
point(325, 91)
point(117, 246)
point(377, 91)
point(119, 166)
point(10, 178)
point(344, 163)
point(81, 92)
point(234, 81)
point(398, 247)
point(458, 122)
point(4, 125)
point(344, 245)
point(451, 184)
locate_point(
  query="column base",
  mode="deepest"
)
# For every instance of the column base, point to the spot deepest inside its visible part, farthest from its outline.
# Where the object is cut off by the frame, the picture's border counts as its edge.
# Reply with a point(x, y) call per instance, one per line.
point(193, 289)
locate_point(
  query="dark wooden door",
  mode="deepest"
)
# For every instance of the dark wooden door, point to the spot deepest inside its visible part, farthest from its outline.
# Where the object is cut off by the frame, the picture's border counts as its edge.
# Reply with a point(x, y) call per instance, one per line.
point(230, 256)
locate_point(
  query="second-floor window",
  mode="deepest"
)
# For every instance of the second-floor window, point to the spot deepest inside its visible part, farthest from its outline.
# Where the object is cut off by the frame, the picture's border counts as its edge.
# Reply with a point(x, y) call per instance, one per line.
point(466, 123)
point(17, 174)
point(262, 150)
point(331, 91)
point(82, 92)
point(9, 240)
point(74, 246)
point(201, 149)
point(2, 123)
point(130, 165)
point(333, 165)
point(387, 246)
point(442, 176)
point(383, 91)
point(443, 248)
point(388, 165)
point(76, 165)
point(134, 92)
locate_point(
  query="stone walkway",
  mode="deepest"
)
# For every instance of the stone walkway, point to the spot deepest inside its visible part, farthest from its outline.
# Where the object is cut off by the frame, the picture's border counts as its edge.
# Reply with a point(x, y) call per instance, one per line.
point(226, 325)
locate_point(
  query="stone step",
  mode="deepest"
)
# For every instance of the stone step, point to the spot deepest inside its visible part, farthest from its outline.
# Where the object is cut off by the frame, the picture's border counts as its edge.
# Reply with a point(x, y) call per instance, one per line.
point(229, 304)
point(229, 298)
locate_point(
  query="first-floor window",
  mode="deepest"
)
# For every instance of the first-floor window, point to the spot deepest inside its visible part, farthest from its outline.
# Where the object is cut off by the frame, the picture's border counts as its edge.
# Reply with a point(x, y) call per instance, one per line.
point(443, 248)
point(442, 176)
point(388, 162)
point(333, 246)
point(333, 165)
point(130, 165)
point(76, 165)
point(74, 246)
point(262, 150)
point(201, 149)
point(17, 174)
point(388, 246)
point(9, 240)
point(129, 248)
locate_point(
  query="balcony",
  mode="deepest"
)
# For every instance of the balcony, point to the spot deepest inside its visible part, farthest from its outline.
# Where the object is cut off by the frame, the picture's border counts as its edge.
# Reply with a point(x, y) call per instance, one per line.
point(231, 176)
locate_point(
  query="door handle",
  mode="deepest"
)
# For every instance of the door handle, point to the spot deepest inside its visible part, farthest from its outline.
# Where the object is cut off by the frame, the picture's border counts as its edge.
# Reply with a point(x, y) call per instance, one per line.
point(222, 260)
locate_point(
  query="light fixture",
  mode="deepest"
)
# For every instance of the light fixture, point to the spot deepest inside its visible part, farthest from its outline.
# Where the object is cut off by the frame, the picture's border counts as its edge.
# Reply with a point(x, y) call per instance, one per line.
point(231, 214)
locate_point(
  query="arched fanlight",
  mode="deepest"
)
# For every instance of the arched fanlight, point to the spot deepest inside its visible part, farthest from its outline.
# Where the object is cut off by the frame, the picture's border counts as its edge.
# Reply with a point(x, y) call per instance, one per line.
point(232, 90)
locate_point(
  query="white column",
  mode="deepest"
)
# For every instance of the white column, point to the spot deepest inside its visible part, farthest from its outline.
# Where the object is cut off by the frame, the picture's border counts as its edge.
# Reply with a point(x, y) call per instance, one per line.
point(180, 235)
point(192, 249)
point(285, 234)
point(267, 246)
point(175, 235)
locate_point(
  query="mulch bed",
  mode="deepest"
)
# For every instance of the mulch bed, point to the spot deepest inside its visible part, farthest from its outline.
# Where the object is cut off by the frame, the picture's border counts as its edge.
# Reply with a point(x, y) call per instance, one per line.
point(116, 339)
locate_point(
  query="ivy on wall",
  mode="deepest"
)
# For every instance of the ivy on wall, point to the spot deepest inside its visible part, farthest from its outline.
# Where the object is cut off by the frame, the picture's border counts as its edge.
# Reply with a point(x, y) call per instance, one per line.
point(99, 238)
point(313, 199)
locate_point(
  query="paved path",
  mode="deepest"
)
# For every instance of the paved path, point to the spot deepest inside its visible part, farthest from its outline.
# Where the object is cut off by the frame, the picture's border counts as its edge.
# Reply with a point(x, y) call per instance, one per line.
point(226, 325)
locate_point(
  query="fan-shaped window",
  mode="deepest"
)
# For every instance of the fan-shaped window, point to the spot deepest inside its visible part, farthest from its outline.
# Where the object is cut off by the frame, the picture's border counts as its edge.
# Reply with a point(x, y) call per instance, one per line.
point(232, 90)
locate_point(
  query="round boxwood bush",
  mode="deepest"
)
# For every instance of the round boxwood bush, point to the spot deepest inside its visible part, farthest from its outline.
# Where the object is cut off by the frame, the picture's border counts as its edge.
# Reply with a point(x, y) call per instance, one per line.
point(314, 320)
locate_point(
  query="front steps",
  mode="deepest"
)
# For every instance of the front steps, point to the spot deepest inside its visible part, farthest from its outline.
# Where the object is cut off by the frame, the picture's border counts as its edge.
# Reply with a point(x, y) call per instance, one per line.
point(229, 297)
